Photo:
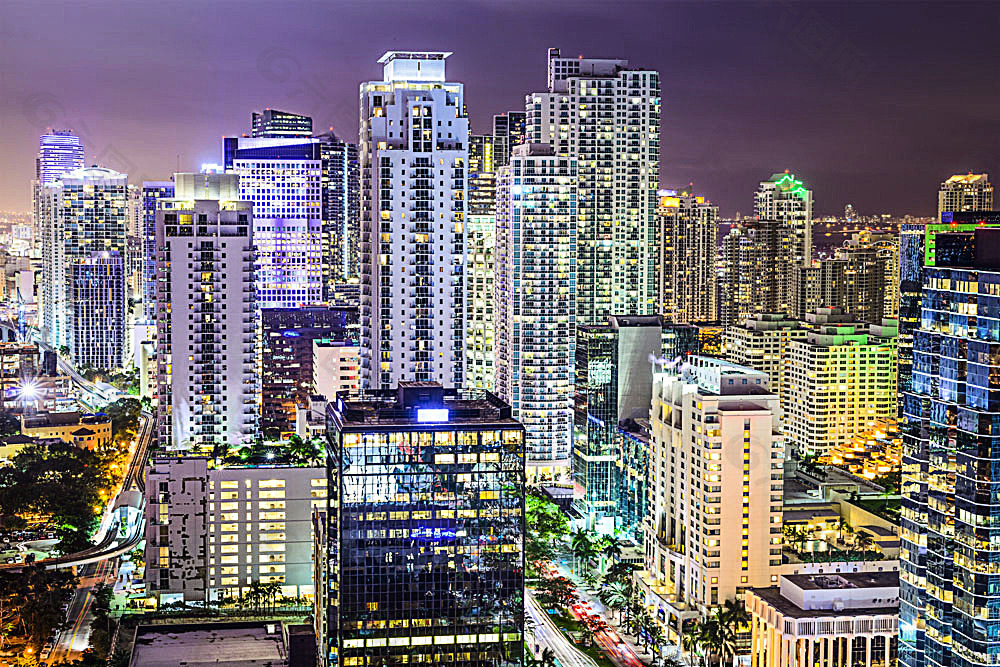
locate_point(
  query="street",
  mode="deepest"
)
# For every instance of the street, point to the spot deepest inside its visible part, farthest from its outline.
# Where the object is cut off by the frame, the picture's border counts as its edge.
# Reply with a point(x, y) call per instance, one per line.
point(546, 635)
point(72, 641)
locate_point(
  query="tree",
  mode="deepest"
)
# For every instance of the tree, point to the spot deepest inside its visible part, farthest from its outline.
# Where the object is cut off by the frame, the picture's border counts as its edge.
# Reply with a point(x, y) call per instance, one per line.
point(587, 635)
point(546, 525)
point(616, 596)
point(10, 424)
point(36, 595)
point(124, 415)
point(549, 658)
point(692, 641)
point(619, 572)
point(556, 592)
point(102, 629)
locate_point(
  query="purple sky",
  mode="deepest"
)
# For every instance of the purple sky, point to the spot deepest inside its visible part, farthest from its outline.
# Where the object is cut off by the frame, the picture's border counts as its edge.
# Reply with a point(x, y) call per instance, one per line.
point(870, 104)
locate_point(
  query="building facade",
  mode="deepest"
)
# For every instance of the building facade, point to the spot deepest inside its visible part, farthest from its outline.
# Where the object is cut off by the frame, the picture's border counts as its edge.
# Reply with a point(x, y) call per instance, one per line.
point(336, 367)
point(208, 383)
point(59, 152)
point(83, 212)
point(99, 311)
point(414, 140)
point(713, 527)
point(688, 257)
point(964, 193)
point(424, 553)
point(784, 198)
point(949, 435)
point(480, 244)
point(152, 193)
point(287, 358)
point(614, 383)
point(838, 382)
point(271, 123)
point(825, 620)
point(214, 531)
point(756, 267)
point(606, 114)
point(762, 343)
point(535, 296)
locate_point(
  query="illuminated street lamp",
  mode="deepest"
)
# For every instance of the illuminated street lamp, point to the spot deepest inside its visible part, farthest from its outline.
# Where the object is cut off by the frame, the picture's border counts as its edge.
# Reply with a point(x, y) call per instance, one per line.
point(27, 392)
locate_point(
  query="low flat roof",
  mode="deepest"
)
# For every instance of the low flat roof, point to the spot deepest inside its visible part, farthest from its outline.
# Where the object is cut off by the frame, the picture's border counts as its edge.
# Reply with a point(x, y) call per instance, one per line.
point(852, 580)
point(773, 597)
point(225, 645)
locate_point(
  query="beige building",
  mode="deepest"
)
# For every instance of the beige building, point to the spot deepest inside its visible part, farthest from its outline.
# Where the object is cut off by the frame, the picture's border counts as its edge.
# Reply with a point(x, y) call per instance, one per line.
point(815, 620)
point(965, 192)
point(87, 431)
point(688, 249)
point(838, 382)
point(761, 343)
point(713, 528)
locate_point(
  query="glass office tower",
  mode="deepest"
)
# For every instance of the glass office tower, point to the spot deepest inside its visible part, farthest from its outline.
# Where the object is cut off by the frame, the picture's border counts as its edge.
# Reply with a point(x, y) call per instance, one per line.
point(949, 578)
point(424, 554)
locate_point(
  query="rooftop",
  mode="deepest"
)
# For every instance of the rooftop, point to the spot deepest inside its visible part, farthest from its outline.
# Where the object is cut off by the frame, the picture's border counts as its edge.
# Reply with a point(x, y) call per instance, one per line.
point(222, 645)
point(419, 404)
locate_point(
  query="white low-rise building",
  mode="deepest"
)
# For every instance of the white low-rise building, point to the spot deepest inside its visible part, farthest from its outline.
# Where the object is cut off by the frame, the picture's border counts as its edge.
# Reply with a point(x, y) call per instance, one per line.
point(211, 532)
point(825, 620)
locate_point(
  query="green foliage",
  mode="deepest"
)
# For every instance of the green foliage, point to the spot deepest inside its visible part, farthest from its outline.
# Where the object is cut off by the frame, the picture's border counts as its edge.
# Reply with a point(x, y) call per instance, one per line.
point(556, 592)
point(31, 602)
point(9, 424)
point(57, 480)
point(124, 415)
point(546, 526)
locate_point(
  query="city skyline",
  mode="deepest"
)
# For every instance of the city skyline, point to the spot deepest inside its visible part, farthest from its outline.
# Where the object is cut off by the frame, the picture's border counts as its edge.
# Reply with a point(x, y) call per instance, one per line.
point(850, 101)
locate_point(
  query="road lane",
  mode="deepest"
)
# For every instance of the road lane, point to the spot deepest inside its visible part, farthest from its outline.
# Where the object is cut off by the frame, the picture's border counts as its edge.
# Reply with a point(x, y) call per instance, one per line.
point(546, 635)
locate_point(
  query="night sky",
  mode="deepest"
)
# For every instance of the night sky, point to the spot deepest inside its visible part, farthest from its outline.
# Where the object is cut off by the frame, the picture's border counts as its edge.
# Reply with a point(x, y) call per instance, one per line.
point(869, 103)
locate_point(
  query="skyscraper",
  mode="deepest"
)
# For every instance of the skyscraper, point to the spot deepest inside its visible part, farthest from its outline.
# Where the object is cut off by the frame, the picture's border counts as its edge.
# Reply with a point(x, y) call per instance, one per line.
point(99, 310)
point(508, 131)
point(606, 114)
point(85, 212)
point(756, 270)
point(784, 198)
point(535, 296)
point(276, 124)
point(715, 484)
point(688, 250)
point(152, 193)
point(208, 386)
point(59, 152)
point(414, 147)
point(305, 195)
point(423, 559)
point(480, 244)
point(950, 480)
point(965, 192)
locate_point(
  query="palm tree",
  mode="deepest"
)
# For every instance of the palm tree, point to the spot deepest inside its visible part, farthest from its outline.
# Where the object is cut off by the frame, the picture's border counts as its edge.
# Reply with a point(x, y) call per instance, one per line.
point(587, 635)
point(864, 542)
point(579, 543)
point(611, 549)
point(548, 658)
point(692, 641)
point(735, 615)
point(616, 596)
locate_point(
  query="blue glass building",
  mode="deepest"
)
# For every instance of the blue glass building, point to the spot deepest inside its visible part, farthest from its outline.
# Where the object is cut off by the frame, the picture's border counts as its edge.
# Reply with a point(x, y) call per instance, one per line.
point(950, 537)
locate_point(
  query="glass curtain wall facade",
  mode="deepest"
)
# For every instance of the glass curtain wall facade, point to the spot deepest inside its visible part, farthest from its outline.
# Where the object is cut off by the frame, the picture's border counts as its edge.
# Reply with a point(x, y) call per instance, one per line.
point(425, 530)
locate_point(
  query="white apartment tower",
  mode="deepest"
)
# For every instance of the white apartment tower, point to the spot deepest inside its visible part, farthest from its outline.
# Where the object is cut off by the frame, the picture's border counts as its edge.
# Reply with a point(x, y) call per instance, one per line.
point(784, 198)
point(535, 297)
point(208, 386)
point(965, 192)
point(59, 152)
point(414, 153)
point(83, 212)
point(761, 342)
point(606, 114)
point(715, 483)
point(688, 257)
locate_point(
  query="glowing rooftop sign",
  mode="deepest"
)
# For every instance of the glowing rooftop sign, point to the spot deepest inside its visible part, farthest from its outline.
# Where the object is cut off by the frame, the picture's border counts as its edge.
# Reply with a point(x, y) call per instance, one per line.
point(432, 415)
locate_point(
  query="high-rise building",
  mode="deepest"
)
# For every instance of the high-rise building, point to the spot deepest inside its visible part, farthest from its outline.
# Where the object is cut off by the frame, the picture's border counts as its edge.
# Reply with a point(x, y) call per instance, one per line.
point(761, 343)
point(414, 147)
point(59, 152)
point(614, 383)
point(713, 529)
point(950, 482)
point(208, 386)
point(784, 198)
point(287, 358)
point(606, 114)
point(271, 123)
point(213, 531)
point(756, 270)
point(480, 244)
point(838, 382)
point(336, 367)
point(965, 192)
point(862, 277)
point(305, 196)
point(535, 297)
point(99, 310)
point(509, 130)
point(423, 561)
point(152, 193)
point(84, 212)
point(688, 250)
